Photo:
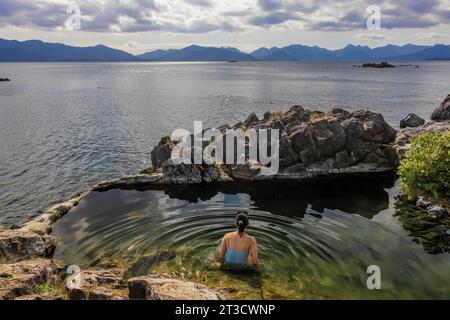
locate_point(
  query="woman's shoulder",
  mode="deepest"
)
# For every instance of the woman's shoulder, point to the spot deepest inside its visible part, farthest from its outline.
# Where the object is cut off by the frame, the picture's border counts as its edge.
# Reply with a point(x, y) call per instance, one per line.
point(228, 235)
point(251, 238)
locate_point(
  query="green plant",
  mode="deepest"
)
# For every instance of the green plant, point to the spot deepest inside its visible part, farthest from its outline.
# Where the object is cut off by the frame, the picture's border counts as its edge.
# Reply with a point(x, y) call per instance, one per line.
point(243, 127)
point(48, 288)
point(426, 168)
point(4, 260)
point(218, 166)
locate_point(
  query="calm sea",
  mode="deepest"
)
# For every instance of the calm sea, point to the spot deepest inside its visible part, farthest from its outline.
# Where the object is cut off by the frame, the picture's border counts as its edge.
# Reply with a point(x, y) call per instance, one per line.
point(64, 126)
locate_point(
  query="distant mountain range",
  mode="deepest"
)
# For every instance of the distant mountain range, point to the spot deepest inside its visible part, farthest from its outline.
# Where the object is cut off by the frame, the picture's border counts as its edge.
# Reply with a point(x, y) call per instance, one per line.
point(35, 50)
point(197, 53)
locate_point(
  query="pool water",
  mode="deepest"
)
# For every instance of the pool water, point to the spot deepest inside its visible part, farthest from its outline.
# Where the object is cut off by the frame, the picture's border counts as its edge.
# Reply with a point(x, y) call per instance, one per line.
point(316, 241)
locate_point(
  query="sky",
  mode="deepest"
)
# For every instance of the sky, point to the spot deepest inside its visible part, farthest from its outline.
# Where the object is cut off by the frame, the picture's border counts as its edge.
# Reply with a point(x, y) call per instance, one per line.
point(144, 25)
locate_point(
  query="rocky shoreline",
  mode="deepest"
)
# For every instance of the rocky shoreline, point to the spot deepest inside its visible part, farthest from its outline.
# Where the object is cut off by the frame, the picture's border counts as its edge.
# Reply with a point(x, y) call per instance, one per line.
point(313, 145)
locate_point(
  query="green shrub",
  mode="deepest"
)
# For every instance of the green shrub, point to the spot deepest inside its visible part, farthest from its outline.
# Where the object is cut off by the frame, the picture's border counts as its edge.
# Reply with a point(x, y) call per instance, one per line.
point(426, 169)
point(48, 288)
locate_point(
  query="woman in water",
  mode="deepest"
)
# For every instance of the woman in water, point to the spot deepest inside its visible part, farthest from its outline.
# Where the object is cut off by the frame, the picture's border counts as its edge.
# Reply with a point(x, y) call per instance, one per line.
point(238, 249)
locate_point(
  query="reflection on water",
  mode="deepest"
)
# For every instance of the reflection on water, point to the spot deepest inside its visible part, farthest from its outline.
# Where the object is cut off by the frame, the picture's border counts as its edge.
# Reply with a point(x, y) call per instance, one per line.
point(316, 240)
point(293, 199)
point(432, 233)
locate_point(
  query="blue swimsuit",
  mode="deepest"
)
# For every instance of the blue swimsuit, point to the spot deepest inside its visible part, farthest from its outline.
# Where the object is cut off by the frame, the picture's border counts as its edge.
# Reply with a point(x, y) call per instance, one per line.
point(236, 258)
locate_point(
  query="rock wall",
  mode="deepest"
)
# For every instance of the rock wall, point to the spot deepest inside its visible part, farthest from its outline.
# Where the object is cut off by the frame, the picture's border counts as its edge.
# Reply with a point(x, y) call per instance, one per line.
point(442, 113)
point(312, 144)
point(405, 136)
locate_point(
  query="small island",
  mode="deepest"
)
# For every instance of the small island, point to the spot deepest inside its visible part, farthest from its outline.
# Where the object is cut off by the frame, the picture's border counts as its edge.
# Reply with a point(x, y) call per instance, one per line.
point(4, 79)
point(383, 64)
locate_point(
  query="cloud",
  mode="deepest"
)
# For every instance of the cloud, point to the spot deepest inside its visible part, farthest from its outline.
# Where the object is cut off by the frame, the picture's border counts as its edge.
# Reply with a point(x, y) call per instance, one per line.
point(201, 3)
point(270, 5)
point(371, 37)
point(203, 16)
point(272, 19)
point(430, 35)
point(133, 45)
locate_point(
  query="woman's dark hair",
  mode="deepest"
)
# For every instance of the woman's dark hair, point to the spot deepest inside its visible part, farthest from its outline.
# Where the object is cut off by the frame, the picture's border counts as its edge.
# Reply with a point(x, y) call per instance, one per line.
point(241, 221)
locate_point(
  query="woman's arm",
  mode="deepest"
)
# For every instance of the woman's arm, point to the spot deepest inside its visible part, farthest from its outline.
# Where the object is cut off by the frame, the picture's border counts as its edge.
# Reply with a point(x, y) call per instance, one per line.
point(223, 250)
point(254, 253)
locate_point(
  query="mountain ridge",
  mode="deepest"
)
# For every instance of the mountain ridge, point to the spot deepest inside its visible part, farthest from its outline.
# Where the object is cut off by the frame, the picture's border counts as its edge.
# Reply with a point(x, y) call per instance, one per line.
point(40, 51)
point(37, 50)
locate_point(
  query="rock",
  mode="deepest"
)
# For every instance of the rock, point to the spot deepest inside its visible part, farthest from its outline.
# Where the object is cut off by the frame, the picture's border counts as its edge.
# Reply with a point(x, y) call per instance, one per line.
point(342, 159)
point(287, 155)
point(339, 111)
point(436, 211)
point(162, 152)
point(39, 297)
point(296, 115)
point(18, 245)
point(411, 120)
point(149, 288)
point(404, 137)
point(96, 285)
point(4, 79)
point(312, 144)
point(442, 112)
point(133, 181)
point(421, 202)
point(43, 223)
point(41, 228)
point(22, 278)
point(251, 119)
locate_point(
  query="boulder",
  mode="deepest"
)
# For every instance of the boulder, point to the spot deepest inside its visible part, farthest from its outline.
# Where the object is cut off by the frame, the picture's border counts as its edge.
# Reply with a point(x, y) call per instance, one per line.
point(150, 288)
point(162, 152)
point(411, 120)
point(18, 245)
point(267, 116)
point(442, 112)
point(251, 119)
point(22, 278)
point(405, 136)
point(96, 285)
point(424, 204)
point(436, 211)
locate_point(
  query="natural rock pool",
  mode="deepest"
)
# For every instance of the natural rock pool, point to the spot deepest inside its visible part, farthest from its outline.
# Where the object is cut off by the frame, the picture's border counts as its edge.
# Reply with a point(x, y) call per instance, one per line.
point(315, 240)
